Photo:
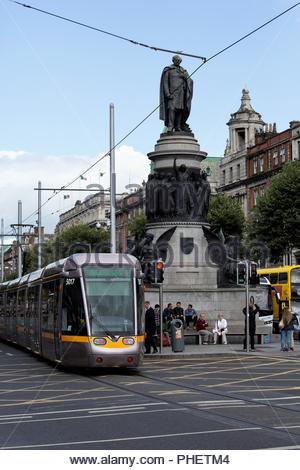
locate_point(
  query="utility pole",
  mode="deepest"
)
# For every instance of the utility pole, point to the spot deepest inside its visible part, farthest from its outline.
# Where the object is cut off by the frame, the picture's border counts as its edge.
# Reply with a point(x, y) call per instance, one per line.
point(247, 304)
point(112, 179)
point(19, 238)
point(39, 222)
point(2, 250)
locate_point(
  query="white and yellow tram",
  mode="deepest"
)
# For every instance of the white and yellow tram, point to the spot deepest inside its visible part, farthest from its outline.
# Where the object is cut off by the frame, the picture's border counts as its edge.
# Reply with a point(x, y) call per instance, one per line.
point(82, 311)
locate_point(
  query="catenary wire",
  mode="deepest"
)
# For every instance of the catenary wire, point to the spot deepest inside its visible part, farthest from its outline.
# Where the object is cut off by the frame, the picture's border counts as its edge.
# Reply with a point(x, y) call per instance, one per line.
point(117, 36)
point(157, 107)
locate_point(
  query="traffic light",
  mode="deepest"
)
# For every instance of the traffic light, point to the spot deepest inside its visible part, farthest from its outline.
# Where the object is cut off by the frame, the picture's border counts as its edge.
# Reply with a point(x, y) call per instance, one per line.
point(159, 268)
point(241, 274)
point(253, 276)
point(149, 271)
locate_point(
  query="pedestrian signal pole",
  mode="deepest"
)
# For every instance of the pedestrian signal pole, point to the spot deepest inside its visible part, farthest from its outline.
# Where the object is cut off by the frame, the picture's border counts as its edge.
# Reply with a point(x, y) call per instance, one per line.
point(247, 305)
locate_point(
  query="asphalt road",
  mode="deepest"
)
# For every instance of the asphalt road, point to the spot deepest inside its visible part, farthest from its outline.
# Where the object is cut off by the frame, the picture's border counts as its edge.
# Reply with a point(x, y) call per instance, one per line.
point(238, 402)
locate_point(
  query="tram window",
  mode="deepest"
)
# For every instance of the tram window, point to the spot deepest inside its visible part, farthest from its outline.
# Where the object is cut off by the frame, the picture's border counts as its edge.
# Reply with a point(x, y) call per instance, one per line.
point(73, 315)
point(2, 305)
point(49, 305)
point(140, 308)
point(33, 301)
point(283, 278)
point(274, 278)
point(21, 306)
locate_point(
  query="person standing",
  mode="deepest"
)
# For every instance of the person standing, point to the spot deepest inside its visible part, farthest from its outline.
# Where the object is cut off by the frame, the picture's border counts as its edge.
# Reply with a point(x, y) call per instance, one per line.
point(190, 316)
point(253, 310)
point(220, 329)
point(286, 326)
point(150, 329)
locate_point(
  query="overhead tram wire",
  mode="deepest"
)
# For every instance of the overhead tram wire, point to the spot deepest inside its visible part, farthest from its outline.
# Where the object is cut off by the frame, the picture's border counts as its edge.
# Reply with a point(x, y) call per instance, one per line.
point(117, 36)
point(157, 107)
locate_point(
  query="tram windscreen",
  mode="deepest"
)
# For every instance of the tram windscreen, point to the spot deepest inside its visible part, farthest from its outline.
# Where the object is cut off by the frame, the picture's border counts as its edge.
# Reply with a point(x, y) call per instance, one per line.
point(295, 290)
point(110, 298)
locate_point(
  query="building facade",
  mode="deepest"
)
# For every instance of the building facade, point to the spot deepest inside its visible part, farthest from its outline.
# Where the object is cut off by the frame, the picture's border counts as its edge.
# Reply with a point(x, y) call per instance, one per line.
point(243, 126)
point(93, 211)
point(129, 206)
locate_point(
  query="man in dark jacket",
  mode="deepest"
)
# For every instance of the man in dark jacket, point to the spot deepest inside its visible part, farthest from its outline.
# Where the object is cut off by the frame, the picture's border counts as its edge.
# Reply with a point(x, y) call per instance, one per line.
point(178, 312)
point(150, 329)
point(253, 310)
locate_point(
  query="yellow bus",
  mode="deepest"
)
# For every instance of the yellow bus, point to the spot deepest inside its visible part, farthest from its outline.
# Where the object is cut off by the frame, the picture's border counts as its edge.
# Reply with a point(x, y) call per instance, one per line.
point(286, 281)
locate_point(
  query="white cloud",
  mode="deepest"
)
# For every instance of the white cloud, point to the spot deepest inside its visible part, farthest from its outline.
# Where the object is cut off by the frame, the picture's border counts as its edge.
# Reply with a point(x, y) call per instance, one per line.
point(12, 154)
point(19, 177)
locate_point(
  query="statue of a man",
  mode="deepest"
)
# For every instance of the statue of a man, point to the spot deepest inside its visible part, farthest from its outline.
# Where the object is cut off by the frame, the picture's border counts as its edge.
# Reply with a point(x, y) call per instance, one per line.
point(176, 92)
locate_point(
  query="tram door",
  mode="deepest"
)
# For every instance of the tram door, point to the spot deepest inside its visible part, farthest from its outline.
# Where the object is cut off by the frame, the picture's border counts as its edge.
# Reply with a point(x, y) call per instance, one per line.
point(32, 322)
point(49, 319)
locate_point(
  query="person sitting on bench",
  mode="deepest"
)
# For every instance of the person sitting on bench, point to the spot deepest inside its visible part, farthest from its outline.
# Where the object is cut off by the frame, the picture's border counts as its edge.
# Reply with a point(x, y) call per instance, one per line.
point(220, 329)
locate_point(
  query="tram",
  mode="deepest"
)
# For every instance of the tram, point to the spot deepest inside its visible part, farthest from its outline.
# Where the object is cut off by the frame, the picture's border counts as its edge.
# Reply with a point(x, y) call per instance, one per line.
point(82, 311)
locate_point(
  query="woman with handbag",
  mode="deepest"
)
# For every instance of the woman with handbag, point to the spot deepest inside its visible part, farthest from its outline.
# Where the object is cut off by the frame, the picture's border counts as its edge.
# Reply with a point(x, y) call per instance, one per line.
point(286, 326)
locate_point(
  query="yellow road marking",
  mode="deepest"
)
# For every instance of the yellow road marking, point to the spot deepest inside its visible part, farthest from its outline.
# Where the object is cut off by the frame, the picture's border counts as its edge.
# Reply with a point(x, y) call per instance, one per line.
point(252, 378)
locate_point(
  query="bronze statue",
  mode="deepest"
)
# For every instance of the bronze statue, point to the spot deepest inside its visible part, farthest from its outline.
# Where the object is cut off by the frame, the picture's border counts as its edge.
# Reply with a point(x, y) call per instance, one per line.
point(176, 92)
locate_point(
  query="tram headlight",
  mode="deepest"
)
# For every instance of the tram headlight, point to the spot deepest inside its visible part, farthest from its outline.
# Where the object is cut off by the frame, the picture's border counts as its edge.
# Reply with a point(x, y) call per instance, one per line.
point(99, 341)
point(128, 341)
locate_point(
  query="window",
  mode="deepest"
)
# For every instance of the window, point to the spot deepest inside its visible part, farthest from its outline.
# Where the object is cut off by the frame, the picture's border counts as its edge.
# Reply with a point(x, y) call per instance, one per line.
point(73, 315)
point(254, 166)
point(230, 174)
point(283, 278)
point(274, 278)
point(223, 176)
point(275, 156)
point(269, 159)
point(261, 164)
point(282, 153)
point(298, 144)
point(238, 171)
point(49, 305)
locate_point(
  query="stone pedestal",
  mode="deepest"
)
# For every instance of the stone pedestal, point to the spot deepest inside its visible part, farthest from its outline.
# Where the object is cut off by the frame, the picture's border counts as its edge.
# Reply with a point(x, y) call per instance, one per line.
point(182, 146)
point(187, 263)
point(186, 191)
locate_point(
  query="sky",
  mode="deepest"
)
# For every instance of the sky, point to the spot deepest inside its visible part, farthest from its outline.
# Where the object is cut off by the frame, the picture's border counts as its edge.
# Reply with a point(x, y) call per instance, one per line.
point(57, 80)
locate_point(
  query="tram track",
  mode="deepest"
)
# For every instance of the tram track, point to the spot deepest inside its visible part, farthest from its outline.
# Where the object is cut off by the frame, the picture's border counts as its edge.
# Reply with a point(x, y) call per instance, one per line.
point(208, 413)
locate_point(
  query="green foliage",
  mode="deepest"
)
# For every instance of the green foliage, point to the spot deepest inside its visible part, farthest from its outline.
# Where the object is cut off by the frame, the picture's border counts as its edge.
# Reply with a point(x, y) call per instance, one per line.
point(137, 226)
point(225, 212)
point(276, 217)
point(76, 239)
point(82, 238)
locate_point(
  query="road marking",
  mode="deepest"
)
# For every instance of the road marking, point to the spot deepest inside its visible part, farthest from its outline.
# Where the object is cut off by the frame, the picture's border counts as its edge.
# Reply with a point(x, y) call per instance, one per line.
point(65, 418)
point(251, 379)
point(135, 438)
point(81, 410)
point(50, 401)
point(244, 369)
point(9, 354)
point(174, 392)
point(262, 390)
point(276, 398)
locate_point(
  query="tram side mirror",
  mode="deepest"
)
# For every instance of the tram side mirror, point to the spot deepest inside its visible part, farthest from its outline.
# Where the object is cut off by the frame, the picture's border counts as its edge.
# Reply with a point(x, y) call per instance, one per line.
point(140, 275)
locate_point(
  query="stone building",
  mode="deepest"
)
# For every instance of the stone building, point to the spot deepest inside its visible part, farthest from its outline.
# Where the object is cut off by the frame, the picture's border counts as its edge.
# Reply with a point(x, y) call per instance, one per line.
point(243, 126)
point(272, 149)
point(128, 207)
point(93, 211)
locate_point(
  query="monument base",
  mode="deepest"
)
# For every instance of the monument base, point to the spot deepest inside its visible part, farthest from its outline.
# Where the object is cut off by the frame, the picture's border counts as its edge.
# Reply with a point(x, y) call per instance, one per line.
point(187, 263)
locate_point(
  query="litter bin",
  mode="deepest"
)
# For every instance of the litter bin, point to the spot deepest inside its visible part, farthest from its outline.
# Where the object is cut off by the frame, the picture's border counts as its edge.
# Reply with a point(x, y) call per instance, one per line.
point(177, 336)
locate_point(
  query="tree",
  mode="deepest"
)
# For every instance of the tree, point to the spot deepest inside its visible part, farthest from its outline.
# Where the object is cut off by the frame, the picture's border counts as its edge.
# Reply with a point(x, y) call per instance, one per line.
point(225, 212)
point(82, 238)
point(137, 226)
point(276, 217)
point(79, 238)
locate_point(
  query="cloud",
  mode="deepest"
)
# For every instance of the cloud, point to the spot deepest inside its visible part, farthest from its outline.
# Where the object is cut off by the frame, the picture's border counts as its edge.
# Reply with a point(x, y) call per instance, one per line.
point(12, 154)
point(19, 177)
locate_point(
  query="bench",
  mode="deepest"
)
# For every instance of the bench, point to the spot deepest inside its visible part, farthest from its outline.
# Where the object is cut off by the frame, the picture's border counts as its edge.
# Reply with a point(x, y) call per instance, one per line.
point(194, 334)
